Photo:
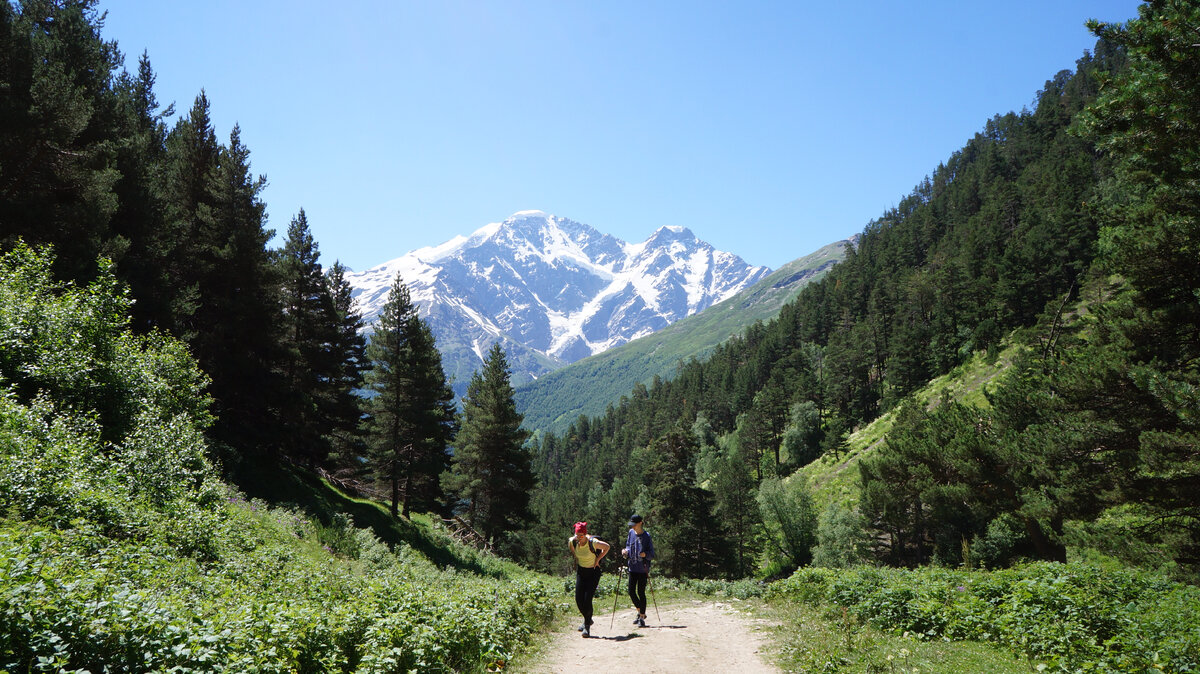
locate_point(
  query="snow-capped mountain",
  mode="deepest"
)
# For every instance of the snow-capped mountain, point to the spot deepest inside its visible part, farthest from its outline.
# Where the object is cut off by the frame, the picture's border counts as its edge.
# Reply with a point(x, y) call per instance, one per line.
point(552, 290)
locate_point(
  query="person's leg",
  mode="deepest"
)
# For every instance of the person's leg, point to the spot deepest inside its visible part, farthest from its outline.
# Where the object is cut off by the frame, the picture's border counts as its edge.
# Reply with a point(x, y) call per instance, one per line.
point(583, 596)
point(594, 584)
point(589, 580)
point(633, 589)
point(639, 593)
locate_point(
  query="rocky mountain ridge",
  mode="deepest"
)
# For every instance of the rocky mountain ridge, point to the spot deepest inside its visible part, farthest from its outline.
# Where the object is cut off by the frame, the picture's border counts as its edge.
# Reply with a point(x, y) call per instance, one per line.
point(552, 290)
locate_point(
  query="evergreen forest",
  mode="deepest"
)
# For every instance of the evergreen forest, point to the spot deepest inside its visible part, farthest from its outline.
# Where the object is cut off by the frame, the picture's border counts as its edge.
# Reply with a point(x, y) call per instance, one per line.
point(205, 466)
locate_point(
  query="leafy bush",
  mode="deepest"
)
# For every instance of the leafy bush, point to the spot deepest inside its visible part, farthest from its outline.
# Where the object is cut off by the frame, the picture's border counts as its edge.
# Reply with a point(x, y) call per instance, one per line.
point(77, 599)
point(808, 585)
point(1074, 617)
point(120, 550)
point(842, 540)
point(1004, 536)
point(789, 520)
point(736, 589)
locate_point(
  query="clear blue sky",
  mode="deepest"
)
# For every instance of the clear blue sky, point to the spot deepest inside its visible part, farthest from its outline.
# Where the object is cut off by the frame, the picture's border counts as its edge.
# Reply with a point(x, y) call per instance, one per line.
point(768, 128)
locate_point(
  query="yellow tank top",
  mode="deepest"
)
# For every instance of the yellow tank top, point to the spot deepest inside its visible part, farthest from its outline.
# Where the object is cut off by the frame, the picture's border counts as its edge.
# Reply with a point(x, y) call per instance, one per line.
point(583, 554)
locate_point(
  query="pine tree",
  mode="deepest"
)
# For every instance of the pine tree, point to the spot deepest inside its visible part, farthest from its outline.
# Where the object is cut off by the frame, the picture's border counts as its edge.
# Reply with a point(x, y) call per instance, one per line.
point(309, 329)
point(140, 220)
point(689, 540)
point(189, 187)
point(491, 474)
point(733, 489)
point(409, 406)
point(347, 352)
point(236, 320)
point(56, 132)
point(432, 418)
point(1147, 120)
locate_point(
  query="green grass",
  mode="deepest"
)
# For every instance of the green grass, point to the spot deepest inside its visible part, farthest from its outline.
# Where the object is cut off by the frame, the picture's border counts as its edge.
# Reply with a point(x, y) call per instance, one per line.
point(263, 478)
point(824, 639)
point(1060, 617)
point(277, 594)
point(835, 479)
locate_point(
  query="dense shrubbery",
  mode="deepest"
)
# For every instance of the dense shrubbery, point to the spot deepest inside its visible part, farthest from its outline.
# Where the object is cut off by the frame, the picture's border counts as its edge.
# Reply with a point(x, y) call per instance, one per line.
point(120, 550)
point(1072, 616)
point(276, 601)
point(736, 589)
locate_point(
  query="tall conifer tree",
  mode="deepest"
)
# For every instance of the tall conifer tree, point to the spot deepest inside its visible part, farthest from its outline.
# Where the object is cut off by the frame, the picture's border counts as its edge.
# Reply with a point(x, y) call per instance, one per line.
point(410, 406)
point(689, 539)
point(1148, 120)
point(307, 337)
point(140, 220)
point(56, 111)
point(238, 315)
point(348, 354)
point(492, 474)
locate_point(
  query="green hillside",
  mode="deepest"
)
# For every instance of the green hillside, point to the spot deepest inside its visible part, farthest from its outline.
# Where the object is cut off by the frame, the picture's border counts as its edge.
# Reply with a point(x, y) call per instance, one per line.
point(590, 385)
point(835, 478)
point(121, 549)
point(1086, 446)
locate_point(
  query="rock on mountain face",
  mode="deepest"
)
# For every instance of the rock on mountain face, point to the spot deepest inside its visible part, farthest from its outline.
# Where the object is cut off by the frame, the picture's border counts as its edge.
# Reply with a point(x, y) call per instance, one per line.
point(552, 290)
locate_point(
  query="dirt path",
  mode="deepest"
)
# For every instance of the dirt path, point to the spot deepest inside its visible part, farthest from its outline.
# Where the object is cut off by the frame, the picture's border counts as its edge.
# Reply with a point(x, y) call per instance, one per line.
point(693, 637)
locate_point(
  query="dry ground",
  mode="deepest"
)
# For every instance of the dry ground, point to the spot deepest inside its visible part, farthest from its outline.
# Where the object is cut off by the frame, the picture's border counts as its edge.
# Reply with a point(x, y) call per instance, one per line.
point(694, 636)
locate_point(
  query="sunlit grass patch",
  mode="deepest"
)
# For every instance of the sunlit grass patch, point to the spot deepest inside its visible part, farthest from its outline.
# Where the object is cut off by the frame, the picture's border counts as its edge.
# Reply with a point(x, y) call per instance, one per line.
point(825, 639)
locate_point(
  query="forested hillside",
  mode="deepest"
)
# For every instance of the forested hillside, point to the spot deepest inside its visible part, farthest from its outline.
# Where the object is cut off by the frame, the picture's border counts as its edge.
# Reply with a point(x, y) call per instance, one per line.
point(1083, 203)
point(121, 548)
point(591, 385)
point(94, 170)
point(178, 398)
point(159, 361)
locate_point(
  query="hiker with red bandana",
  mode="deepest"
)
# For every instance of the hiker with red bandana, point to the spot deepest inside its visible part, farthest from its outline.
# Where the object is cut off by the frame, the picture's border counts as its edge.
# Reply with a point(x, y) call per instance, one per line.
point(587, 552)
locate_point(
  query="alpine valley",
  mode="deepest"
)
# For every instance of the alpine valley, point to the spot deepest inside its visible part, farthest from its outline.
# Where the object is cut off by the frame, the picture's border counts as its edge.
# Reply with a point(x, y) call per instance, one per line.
point(552, 291)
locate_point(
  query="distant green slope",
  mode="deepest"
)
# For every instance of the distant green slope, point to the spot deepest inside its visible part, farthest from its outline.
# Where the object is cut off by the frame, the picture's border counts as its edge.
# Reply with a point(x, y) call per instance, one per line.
point(836, 480)
point(588, 386)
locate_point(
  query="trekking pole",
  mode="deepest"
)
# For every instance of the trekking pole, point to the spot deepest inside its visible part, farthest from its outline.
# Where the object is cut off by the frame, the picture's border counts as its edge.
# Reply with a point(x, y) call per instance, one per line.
point(616, 596)
point(648, 584)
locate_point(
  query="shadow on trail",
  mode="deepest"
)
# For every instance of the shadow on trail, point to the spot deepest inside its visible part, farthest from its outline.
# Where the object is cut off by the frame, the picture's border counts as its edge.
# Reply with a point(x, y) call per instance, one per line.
point(665, 627)
point(621, 637)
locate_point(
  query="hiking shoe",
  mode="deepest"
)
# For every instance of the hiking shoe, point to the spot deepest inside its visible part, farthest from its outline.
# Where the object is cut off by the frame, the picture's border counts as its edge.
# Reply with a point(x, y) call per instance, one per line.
point(587, 632)
point(636, 619)
point(641, 623)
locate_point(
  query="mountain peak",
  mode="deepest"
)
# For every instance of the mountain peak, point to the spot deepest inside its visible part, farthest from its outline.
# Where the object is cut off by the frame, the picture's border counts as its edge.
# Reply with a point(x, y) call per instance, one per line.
point(552, 290)
point(672, 233)
point(521, 215)
point(675, 229)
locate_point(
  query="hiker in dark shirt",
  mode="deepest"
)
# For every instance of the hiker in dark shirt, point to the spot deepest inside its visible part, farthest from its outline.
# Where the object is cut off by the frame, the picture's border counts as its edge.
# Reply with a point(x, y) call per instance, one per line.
point(639, 550)
point(587, 552)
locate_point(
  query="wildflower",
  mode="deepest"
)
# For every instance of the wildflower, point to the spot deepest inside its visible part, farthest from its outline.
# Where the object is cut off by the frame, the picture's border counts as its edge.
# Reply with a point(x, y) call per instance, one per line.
point(904, 653)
